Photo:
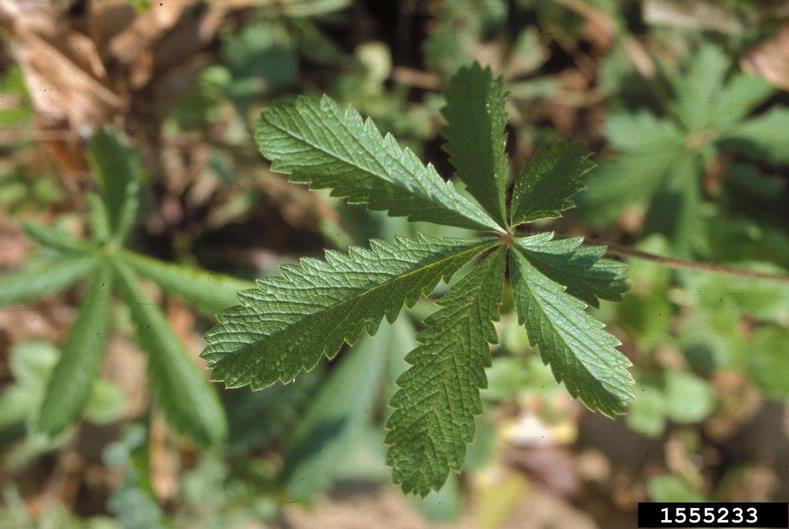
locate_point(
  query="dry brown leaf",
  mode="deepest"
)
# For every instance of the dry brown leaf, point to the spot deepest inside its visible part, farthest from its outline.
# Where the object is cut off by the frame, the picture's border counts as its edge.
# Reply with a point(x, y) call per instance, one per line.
point(361, 508)
point(163, 460)
point(146, 29)
point(59, 89)
point(63, 71)
point(640, 57)
point(551, 465)
point(600, 28)
point(770, 60)
point(15, 247)
point(191, 35)
point(107, 19)
point(134, 46)
point(696, 14)
point(87, 80)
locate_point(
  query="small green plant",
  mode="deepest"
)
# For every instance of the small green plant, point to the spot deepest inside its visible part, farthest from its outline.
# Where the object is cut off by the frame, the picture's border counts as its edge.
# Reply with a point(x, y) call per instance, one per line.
point(288, 323)
point(661, 160)
point(189, 402)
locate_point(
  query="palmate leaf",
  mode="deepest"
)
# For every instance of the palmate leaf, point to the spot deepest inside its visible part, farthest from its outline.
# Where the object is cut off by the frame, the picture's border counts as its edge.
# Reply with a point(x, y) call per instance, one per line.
point(71, 381)
point(548, 180)
point(287, 323)
point(649, 146)
point(188, 400)
point(476, 139)
point(434, 408)
point(581, 354)
point(662, 161)
point(314, 141)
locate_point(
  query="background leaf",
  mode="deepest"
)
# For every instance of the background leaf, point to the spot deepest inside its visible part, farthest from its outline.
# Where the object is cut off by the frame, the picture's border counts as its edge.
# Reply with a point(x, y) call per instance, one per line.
point(208, 292)
point(699, 87)
point(72, 379)
point(135, 502)
point(344, 406)
point(763, 136)
point(117, 169)
point(689, 399)
point(55, 239)
point(768, 364)
point(43, 278)
point(188, 400)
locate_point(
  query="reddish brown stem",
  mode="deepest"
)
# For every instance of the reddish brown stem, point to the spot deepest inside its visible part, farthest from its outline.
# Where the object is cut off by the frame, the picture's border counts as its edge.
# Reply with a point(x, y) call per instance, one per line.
point(671, 262)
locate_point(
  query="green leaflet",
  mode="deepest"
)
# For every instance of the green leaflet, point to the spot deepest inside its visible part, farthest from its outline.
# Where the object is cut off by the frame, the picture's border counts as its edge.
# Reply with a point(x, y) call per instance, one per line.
point(318, 143)
point(55, 239)
point(71, 381)
point(186, 397)
point(433, 418)
point(581, 354)
point(98, 219)
point(643, 132)
point(287, 323)
point(675, 207)
point(738, 98)
point(476, 139)
point(209, 293)
point(548, 180)
point(763, 136)
point(117, 169)
point(698, 88)
point(622, 181)
point(581, 269)
point(42, 278)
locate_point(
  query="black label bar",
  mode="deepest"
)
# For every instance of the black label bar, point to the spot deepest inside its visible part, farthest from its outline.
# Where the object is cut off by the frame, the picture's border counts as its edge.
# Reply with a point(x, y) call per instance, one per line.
point(713, 514)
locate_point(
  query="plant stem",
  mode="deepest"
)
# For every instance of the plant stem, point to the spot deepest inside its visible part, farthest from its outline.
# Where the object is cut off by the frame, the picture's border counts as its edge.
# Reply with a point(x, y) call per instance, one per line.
point(682, 264)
